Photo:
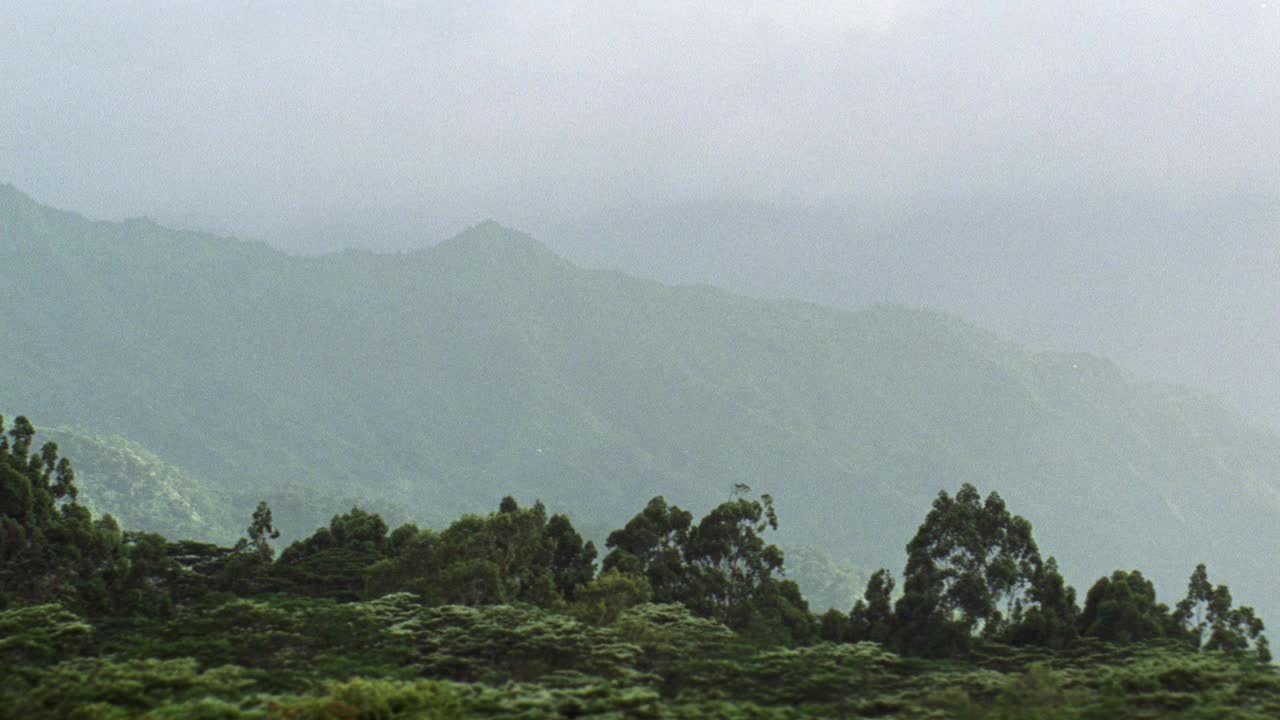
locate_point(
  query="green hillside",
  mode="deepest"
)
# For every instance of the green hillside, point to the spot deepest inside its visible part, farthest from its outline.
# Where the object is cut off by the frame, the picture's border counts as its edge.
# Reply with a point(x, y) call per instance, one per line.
point(143, 491)
point(121, 477)
point(435, 382)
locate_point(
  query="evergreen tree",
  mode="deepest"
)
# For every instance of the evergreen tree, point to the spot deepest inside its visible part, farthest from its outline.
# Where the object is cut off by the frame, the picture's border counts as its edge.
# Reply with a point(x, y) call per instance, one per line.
point(1050, 620)
point(261, 531)
point(572, 561)
point(652, 544)
point(720, 568)
point(728, 558)
point(970, 568)
point(1210, 620)
point(515, 554)
point(1122, 608)
point(872, 617)
point(332, 562)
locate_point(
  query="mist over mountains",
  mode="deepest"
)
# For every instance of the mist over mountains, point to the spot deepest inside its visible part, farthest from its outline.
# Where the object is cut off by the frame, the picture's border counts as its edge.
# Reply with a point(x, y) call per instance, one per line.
point(603, 360)
point(1175, 285)
point(438, 380)
point(1073, 176)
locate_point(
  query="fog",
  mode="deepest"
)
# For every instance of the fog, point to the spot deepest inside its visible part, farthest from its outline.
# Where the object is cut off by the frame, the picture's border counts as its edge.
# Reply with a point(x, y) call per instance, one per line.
point(1091, 176)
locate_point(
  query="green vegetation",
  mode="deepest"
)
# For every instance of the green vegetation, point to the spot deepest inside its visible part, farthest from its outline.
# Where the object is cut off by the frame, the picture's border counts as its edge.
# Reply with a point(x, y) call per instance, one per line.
point(121, 477)
point(504, 615)
point(430, 384)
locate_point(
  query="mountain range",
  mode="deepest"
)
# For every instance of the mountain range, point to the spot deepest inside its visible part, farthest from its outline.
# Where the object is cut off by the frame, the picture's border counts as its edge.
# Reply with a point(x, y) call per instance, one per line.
point(428, 383)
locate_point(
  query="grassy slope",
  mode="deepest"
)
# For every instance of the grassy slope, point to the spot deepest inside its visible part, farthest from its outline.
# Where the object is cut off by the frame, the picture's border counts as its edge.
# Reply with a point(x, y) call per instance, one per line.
point(439, 380)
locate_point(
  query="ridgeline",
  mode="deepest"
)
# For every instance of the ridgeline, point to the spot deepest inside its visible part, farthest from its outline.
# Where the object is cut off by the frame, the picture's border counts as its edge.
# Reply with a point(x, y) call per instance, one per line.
point(435, 382)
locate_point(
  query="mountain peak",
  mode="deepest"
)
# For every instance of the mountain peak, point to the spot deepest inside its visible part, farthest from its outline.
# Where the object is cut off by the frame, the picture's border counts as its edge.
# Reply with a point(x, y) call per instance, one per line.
point(490, 225)
point(23, 219)
point(11, 197)
point(492, 243)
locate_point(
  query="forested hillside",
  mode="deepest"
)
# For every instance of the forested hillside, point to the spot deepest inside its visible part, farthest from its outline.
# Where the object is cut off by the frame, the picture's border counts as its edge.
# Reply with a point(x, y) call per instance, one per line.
point(119, 476)
point(507, 615)
point(435, 382)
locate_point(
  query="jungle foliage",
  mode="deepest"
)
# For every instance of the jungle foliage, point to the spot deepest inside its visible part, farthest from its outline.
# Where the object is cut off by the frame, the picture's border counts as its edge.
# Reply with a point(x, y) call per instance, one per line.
point(505, 615)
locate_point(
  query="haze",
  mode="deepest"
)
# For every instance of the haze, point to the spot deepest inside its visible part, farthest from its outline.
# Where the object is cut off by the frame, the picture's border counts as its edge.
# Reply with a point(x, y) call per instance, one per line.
point(1093, 176)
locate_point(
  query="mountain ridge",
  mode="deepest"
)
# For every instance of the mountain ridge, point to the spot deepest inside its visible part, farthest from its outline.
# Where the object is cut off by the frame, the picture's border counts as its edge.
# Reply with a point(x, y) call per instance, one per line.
point(442, 379)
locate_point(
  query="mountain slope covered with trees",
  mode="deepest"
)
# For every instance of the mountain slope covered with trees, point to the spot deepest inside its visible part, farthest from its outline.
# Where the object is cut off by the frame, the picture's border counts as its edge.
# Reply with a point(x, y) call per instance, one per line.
point(119, 476)
point(505, 615)
point(435, 382)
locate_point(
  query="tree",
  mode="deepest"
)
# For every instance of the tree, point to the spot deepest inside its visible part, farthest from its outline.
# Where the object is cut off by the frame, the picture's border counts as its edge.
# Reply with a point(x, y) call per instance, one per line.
point(572, 560)
point(64, 481)
point(921, 628)
point(872, 617)
point(331, 563)
point(652, 544)
point(1122, 608)
point(778, 614)
point(146, 583)
point(721, 568)
point(515, 554)
point(1197, 611)
point(971, 562)
point(1051, 619)
point(1207, 616)
point(260, 533)
point(1240, 631)
point(605, 598)
point(22, 433)
point(728, 558)
point(834, 626)
point(247, 570)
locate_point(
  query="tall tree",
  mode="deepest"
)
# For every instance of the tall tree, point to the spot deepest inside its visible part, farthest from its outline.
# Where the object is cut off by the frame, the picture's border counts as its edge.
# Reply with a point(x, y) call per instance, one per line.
point(1210, 620)
point(261, 532)
point(872, 617)
point(652, 544)
point(975, 558)
point(728, 558)
point(572, 560)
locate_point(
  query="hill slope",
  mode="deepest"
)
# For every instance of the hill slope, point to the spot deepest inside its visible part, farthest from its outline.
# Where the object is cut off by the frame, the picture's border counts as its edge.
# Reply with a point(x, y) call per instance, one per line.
point(437, 381)
point(121, 477)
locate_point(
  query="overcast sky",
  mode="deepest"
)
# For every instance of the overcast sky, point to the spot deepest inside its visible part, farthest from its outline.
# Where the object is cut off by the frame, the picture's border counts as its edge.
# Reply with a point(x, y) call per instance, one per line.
point(1099, 176)
point(542, 112)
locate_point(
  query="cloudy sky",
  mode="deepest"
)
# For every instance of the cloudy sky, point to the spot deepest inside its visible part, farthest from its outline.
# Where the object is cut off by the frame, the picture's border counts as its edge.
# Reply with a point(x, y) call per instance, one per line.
point(1032, 155)
point(542, 111)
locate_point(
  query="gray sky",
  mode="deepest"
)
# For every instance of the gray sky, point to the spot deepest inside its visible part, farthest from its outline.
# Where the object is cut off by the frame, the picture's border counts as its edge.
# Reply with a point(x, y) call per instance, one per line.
point(543, 112)
point(1015, 162)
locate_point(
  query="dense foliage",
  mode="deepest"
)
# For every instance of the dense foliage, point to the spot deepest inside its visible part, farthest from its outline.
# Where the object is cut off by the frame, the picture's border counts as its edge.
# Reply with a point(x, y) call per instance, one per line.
point(504, 615)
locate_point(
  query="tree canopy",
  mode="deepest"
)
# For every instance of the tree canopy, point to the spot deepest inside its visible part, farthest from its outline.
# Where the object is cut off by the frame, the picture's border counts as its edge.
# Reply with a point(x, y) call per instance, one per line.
point(96, 619)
